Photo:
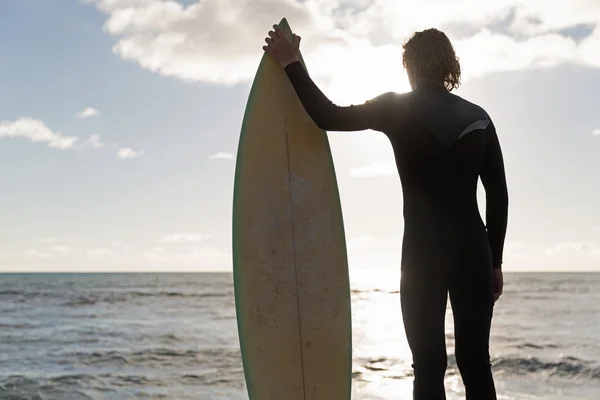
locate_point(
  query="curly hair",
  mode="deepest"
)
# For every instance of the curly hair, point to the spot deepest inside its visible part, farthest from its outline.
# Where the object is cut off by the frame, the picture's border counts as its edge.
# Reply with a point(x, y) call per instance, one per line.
point(430, 58)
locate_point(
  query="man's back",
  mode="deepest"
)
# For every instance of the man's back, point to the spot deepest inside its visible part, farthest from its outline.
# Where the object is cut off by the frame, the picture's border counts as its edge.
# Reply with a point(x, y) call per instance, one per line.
point(443, 144)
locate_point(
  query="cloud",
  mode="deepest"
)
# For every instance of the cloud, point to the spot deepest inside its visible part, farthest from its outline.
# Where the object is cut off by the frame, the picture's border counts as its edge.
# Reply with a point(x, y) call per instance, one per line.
point(560, 256)
point(127, 153)
point(596, 132)
point(99, 252)
point(376, 169)
point(52, 247)
point(520, 250)
point(535, 17)
point(207, 41)
point(115, 251)
point(589, 47)
point(195, 42)
point(221, 156)
point(203, 258)
point(39, 254)
point(566, 248)
point(95, 141)
point(181, 237)
point(121, 247)
point(61, 249)
point(487, 52)
point(36, 131)
point(575, 248)
point(87, 113)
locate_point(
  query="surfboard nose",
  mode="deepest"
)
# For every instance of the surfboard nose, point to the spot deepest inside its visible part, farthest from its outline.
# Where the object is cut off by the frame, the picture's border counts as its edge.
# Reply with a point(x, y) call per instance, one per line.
point(285, 27)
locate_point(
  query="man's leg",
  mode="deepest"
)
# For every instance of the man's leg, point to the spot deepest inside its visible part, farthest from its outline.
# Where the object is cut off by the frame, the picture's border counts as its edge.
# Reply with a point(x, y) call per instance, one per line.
point(472, 299)
point(423, 294)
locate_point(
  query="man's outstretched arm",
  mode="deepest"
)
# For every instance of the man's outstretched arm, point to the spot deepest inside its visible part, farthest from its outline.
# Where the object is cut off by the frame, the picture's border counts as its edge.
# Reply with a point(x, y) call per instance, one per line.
point(374, 114)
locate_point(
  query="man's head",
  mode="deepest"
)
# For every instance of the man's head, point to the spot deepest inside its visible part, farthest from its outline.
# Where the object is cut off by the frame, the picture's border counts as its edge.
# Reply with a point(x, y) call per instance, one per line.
point(430, 61)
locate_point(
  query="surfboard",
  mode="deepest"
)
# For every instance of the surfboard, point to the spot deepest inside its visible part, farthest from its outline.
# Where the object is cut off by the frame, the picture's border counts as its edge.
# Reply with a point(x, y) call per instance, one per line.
point(290, 266)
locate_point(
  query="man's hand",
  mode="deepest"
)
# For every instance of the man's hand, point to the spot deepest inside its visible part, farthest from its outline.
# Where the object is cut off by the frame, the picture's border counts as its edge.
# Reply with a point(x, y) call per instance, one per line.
point(281, 50)
point(498, 283)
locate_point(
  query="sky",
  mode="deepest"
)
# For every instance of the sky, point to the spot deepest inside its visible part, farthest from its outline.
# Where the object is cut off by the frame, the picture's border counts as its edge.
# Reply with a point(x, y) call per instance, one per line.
point(120, 119)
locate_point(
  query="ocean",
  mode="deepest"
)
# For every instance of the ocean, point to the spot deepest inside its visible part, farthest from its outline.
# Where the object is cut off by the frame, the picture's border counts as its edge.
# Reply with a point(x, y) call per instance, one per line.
point(174, 336)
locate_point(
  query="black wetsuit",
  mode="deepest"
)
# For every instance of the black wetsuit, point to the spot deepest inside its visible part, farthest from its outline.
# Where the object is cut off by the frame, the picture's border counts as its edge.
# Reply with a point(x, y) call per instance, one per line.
point(442, 145)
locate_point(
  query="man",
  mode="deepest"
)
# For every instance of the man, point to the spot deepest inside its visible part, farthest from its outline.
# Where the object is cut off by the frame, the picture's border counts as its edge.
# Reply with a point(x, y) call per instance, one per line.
point(442, 145)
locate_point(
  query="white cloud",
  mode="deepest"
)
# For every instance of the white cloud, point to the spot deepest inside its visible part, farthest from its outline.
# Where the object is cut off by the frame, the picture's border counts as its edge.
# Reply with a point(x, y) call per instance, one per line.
point(36, 131)
point(376, 169)
point(560, 249)
point(589, 47)
point(61, 249)
point(206, 41)
point(203, 258)
point(221, 156)
point(87, 113)
point(203, 41)
point(575, 248)
point(39, 253)
point(535, 17)
point(181, 237)
point(487, 52)
point(95, 141)
point(521, 250)
point(100, 252)
point(127, 153)
point(561, 256)
point(51, 248)
point(596, 132)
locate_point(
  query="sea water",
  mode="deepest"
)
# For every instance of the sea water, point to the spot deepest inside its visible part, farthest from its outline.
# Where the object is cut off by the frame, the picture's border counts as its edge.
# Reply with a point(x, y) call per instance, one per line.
point(174, 336)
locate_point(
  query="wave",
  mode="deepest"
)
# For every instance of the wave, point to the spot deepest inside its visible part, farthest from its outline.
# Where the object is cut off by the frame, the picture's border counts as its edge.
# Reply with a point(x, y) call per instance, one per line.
point(18, 387)
point(155, 357)
point(86, 299)
point(566, 368)
point(10, 292)
point(71, 386)
point(537, 346)
point(113, 298)
point(17, 326)
point(89, 387)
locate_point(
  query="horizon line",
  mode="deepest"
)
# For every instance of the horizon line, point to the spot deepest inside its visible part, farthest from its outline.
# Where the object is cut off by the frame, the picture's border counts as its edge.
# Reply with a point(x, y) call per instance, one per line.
point(14, 272)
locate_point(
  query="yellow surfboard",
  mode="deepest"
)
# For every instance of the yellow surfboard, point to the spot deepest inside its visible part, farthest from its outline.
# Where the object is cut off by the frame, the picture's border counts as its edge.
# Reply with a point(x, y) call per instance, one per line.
point(290, 262)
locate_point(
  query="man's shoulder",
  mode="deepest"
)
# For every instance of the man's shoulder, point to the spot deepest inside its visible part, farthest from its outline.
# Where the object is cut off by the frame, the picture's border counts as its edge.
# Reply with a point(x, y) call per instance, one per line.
point(473, 107)
point(390, 101)
point(392, 96)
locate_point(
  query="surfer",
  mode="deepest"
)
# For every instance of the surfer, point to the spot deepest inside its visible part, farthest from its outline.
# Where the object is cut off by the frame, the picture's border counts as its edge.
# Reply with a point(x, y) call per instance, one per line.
point(442, 145)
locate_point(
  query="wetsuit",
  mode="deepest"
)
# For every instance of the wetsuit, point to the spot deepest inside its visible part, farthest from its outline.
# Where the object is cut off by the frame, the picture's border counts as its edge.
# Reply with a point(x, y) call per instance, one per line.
point(442, 145)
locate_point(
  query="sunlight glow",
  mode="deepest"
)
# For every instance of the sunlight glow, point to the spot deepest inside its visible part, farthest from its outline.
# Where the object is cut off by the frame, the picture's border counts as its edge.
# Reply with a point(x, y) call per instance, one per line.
point(354, 77)
point(368, 81)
